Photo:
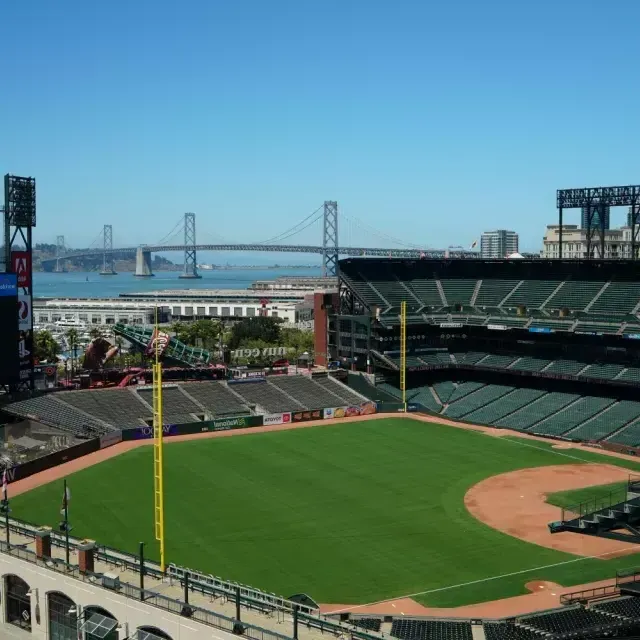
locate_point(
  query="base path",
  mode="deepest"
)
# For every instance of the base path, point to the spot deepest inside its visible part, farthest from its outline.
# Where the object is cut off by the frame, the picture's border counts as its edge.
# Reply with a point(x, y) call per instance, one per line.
point(514, 503)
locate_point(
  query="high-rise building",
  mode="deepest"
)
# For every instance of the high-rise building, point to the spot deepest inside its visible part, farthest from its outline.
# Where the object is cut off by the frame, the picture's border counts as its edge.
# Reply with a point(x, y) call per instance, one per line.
point(498, 244)
point(595, 222)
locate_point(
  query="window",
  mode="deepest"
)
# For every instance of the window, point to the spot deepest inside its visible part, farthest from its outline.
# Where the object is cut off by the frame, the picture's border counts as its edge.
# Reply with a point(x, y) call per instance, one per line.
point(237, 311)
point(213, 311)
point(201, 311)
point(251, 311)
point(63, 619)
point(176, 311)
point(188, 311)
point(274, 314)
point(43, 317)
point(226, 311)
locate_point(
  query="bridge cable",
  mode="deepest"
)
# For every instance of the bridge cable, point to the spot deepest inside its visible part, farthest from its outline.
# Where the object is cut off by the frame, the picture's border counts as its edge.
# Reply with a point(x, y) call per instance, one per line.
point(379, 234)
point(294, 230)
point(171, 233)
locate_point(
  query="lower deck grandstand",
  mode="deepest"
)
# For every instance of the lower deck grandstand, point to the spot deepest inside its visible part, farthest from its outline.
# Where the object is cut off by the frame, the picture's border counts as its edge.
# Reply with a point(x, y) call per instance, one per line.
point(91, 413)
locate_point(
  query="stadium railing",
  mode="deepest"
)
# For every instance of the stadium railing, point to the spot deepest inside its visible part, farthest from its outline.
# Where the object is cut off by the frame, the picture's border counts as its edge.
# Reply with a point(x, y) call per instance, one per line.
point(586, 595)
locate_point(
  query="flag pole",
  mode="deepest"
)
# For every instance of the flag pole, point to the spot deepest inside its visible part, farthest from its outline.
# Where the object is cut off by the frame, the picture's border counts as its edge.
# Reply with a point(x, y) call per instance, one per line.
point(158, 463)
point(5, 506)
point(66, 522)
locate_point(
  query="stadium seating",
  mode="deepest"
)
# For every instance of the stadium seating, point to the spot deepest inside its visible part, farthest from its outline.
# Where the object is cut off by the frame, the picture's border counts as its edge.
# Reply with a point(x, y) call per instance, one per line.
point(492, 292)
point(347, 396)
point(537, 411)
point(625, 607)
point(119, 407)
point(424, 396)
point(458, 291)
point(566, 367)
point(463, 389)
point(603, 425)
point(216, 398)
point(430, 630)
point(307, 393)
point(567, 620)
point(177, 407)
point(529, 364)
point(56, 413)
point(504, 406)
point(531, 293)
point(571, 416)
point(629, 436)
point(267, 396)
point(617, 298)
point(496, 361)
point(444, 390)
point(426, 291)
point(508, 631)
point(574, 295)
point(371, 624)
point(472, 401)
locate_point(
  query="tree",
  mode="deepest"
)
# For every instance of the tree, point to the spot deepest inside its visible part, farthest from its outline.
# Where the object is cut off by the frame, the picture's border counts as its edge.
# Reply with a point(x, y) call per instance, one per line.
point(96, 332)
point(72, 340)
point(201, 333)
point(45, 346)
point(260, 328)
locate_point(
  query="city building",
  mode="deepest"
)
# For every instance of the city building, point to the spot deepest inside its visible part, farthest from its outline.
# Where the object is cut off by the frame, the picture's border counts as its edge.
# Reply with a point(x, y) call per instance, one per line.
point(498, 244)
point(617, 242)
point(292, 305)
point(595, 222)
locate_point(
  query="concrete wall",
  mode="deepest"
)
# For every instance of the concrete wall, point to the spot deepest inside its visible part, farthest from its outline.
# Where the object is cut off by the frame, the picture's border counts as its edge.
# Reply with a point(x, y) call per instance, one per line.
point(130, 613)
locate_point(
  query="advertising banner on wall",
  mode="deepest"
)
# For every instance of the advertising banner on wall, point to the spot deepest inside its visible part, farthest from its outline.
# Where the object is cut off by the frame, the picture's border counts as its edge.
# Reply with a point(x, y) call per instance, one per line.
point(305, 416)
point(364, 409)
point(25, 354)
point(24, 312)
point(21, 265)
point(110, 439)
point(276, 418)
point(142, 433)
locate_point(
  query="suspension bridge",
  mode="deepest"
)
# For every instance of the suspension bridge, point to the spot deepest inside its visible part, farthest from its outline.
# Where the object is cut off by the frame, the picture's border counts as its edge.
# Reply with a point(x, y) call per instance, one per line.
point(330, 249)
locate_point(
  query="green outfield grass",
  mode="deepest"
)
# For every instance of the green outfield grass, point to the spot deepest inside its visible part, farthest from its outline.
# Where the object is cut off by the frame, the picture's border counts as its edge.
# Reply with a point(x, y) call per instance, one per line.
point(349, 513)
point(603, 493)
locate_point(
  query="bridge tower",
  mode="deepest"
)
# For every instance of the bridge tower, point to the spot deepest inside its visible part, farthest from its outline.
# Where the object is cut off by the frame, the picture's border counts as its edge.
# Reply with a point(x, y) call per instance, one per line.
point(190, 262)
point(330, 239)
point(107, 256)
point(60, 251)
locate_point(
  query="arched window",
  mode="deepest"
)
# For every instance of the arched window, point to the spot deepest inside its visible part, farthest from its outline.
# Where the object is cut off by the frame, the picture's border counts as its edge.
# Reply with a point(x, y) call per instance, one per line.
point(17, 602)
point(151, 633)
point(98, 624)
point(63, 617)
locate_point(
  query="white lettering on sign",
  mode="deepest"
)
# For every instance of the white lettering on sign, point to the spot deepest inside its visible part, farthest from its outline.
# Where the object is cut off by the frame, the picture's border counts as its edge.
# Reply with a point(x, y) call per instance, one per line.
point(256, 353)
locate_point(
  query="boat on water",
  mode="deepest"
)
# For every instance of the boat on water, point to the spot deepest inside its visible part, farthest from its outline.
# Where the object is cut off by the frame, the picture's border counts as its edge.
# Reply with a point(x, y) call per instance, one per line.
point(70, 323)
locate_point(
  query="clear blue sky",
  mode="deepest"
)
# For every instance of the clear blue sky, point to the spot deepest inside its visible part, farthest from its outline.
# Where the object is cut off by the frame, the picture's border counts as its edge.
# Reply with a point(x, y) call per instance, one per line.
point(431, 120)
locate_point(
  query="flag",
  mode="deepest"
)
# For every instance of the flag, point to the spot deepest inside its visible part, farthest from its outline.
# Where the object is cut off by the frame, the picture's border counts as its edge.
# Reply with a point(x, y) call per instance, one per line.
point(474, 244)
point(66, 496)
point(4, 485)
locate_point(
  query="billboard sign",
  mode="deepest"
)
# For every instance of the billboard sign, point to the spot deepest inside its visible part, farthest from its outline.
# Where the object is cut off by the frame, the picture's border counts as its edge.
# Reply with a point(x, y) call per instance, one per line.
point(21, 265)
point(276, 418)
point(9, 334)
point(365, 409)
point(25, 354)
point(160, 341)
point(24, 312)
point(305, 416)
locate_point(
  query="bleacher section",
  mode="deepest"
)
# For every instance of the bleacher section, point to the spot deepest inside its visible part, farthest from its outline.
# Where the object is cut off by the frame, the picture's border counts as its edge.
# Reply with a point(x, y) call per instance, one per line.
point(430, 630)
point(567, 621)
point(88, 413)
point(476, 399)
point(594, 300)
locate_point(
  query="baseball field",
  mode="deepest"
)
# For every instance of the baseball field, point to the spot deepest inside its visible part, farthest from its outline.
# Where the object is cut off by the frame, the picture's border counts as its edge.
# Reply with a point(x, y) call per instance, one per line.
point(347, 513)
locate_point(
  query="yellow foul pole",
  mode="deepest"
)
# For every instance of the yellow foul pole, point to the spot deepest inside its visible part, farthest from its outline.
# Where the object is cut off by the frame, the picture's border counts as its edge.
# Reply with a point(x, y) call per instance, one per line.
point(158, 467)
point(403, 352)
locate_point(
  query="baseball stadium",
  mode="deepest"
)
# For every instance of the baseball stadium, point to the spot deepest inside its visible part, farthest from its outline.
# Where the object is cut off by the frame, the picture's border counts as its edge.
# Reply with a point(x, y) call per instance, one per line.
point(468, 472)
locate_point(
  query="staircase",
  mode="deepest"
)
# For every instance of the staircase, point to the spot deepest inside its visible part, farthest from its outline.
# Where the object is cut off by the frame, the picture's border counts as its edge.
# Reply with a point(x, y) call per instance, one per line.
point(441, 292)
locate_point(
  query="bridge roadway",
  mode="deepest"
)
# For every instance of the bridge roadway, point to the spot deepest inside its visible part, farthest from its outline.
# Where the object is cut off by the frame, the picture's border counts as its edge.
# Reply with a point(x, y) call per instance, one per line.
point(275, 248)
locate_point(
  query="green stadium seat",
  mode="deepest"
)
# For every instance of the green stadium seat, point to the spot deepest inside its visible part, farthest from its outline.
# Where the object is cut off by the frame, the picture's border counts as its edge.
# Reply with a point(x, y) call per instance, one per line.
point(504, 405)
point(458, 290)
point(603, 425)
point(499, 362)
point(629, 436)
point(444, 390)
point(597, 327)
point(565, 367)
point(566, 419)
point(536, 411)
point(427, 292)
point(617, 298)
point(492, 292)
point(527, 363)
point(630, 374)
point(574, 295)
point(464, 388)
point(531, 293)
point(602, 371)
point(472, 401)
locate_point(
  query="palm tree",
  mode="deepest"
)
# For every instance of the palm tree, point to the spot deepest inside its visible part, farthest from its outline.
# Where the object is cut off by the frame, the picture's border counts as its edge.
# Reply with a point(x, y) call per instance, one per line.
point(46, 347)
point(96, 332)
point(72, 340)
